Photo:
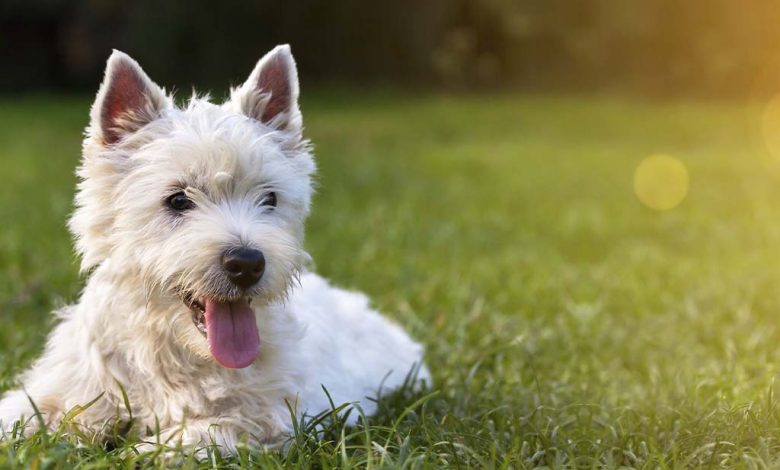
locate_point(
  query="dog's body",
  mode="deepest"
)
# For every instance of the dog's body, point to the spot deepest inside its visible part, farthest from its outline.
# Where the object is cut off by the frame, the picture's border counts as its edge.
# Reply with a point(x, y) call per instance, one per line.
point(184, 217)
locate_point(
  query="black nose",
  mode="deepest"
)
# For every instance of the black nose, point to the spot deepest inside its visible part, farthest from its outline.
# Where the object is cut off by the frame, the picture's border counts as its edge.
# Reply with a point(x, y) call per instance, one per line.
point(244, 266)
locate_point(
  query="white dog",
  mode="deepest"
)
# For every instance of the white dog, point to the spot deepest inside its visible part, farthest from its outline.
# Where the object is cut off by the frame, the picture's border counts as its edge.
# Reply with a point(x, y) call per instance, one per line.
point(190, 222)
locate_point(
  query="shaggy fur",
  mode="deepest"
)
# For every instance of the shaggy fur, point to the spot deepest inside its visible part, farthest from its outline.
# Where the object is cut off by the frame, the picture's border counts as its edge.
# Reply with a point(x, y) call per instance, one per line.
point(135, 326)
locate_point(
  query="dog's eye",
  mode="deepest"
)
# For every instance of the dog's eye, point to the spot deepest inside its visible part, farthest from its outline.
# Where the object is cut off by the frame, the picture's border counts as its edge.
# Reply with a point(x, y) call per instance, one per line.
point(269, 200)
point(180, 202)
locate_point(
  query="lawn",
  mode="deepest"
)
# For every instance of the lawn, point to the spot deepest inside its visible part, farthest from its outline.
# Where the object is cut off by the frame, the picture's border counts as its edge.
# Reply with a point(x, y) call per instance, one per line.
point(566, 323)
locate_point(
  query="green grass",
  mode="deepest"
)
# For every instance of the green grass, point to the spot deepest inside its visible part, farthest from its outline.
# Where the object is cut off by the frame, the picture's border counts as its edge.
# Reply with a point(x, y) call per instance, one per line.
point(566, 324)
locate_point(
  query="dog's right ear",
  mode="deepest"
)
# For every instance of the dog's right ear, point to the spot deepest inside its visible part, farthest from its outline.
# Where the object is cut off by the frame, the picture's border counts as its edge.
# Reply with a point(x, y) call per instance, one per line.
point(127, 100)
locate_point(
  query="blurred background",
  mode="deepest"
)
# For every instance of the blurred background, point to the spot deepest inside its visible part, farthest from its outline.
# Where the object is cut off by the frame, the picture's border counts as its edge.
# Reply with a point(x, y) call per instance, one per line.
point(711, 48)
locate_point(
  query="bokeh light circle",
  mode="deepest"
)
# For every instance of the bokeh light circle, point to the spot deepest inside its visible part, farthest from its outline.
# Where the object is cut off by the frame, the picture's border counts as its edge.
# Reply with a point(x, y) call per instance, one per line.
point(661, 182)
point(770, 126)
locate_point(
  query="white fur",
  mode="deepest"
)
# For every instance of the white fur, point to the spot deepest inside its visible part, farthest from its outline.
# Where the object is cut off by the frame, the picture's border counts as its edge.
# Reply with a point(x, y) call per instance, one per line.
point(130, 326)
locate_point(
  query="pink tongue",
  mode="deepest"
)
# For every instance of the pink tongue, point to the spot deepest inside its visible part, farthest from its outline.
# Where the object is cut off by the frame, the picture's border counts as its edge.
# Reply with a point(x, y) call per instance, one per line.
point(232, 333)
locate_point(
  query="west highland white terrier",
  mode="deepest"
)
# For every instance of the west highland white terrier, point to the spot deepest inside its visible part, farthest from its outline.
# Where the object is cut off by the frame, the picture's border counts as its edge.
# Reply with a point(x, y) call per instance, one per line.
point(198, 309)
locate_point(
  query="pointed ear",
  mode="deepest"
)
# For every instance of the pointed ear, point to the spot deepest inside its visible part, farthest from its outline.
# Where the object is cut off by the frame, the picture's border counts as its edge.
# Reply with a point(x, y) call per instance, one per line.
point(270, 95)
point(127, 100)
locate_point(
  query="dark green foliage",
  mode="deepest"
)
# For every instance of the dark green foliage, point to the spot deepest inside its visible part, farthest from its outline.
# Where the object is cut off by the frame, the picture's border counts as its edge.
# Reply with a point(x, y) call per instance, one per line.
point(650, 47)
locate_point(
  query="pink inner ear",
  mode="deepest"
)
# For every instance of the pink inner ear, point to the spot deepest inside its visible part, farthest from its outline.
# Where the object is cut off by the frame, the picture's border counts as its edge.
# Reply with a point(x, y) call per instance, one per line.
point(275, 79)
point(126, 94)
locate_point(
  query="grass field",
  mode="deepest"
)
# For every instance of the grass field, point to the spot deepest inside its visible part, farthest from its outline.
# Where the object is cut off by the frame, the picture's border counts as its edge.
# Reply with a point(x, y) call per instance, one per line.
point(566, 323)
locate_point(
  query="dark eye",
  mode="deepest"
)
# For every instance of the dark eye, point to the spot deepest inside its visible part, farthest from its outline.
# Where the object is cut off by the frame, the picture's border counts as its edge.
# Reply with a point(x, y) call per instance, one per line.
point(180, 202)
point(269, 200)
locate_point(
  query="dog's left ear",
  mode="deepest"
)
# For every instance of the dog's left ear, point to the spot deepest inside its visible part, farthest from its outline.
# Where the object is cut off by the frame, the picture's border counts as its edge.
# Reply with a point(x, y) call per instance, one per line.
point(270, 95)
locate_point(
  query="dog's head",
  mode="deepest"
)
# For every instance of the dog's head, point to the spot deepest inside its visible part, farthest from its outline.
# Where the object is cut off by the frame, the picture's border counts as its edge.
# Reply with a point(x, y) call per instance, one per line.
point(204, 204)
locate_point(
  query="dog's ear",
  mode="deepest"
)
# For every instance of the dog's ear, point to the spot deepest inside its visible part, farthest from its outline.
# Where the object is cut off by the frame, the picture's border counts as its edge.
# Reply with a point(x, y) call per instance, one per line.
point(127, 100)
point(270, 95)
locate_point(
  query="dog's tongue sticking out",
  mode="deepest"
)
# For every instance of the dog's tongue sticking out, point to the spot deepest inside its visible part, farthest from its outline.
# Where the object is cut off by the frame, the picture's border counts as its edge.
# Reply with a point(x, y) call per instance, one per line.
point(232, 333)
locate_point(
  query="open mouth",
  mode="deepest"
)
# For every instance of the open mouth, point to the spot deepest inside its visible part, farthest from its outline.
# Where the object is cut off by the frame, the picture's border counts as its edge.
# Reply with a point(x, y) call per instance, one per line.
point(229, 326)
point(198, 313)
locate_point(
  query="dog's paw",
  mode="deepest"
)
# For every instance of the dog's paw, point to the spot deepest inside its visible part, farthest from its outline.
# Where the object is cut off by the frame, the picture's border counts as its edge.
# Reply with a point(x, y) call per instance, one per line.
point(174, 446)
point(17, 414)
